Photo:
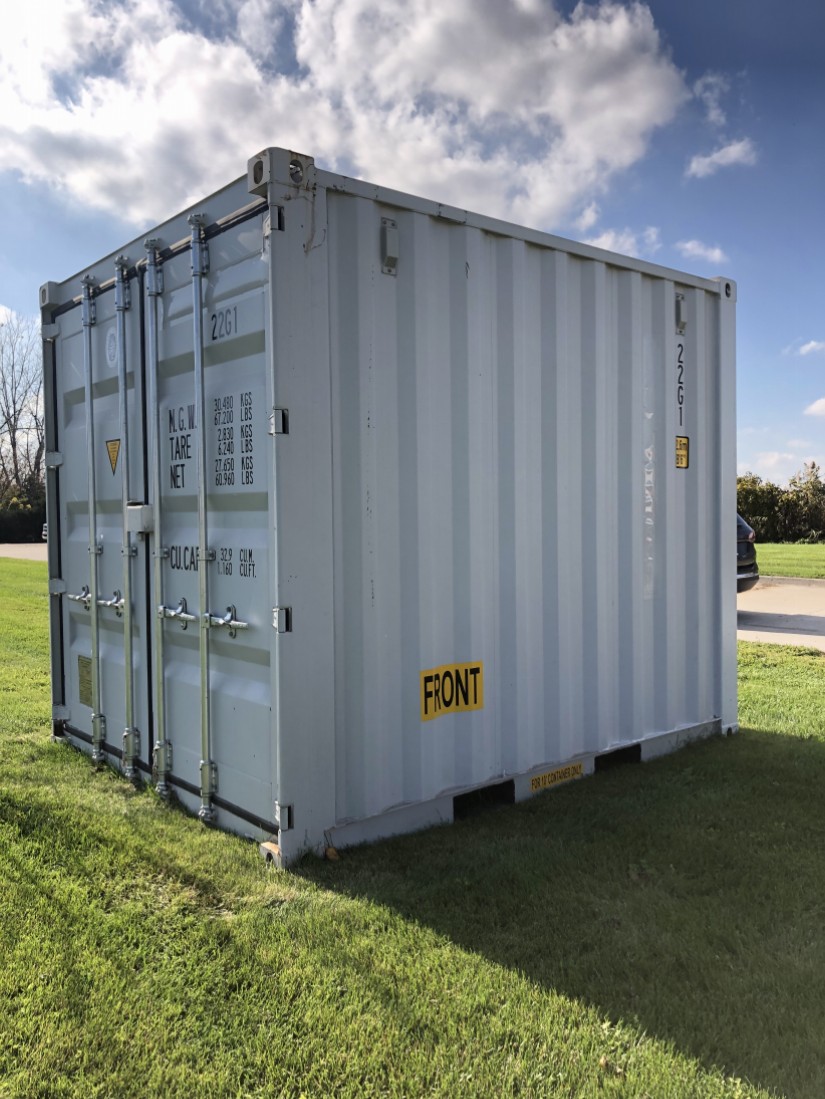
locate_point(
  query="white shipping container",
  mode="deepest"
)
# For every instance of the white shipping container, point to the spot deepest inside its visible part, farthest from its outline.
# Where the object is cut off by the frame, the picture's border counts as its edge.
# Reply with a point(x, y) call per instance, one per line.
point(358, 503)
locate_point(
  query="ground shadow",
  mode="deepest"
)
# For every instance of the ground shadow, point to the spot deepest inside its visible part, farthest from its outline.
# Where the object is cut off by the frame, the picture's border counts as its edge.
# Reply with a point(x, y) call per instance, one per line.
point(684, 896)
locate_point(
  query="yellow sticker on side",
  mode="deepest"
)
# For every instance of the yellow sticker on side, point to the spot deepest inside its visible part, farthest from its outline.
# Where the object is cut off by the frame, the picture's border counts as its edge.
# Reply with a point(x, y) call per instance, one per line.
point(682, 452)
point(451, 689)
point(553, 778)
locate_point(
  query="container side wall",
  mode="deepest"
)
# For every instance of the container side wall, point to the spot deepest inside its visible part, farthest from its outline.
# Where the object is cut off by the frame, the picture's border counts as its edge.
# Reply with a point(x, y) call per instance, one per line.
point(505, 431)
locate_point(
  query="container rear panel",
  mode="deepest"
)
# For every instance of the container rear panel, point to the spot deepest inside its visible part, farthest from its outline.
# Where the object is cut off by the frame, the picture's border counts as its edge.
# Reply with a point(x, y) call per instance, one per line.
point(170, 691)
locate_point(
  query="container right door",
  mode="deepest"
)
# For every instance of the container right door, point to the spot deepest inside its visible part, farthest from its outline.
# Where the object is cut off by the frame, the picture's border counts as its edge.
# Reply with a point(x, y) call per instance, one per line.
point(210, 451)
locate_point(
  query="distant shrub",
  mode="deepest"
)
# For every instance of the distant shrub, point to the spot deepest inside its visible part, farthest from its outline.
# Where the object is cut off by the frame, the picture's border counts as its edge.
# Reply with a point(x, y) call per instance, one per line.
point(792, 514)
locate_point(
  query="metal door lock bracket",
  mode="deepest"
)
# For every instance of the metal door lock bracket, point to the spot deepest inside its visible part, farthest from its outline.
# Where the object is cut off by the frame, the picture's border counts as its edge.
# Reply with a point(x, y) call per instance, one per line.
point(282, 619)
point(116, 601)
point(229, 620)
point(179, 612)
point(84, 596)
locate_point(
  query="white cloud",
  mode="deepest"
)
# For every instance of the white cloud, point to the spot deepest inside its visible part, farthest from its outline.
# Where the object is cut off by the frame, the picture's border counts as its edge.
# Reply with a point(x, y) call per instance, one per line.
point(817, 408)
point(695, 249)
point(710, 89)
point(616, 240)
point(776, 466)
point(512, 109)
point(588, 217)
point(736, 152)
point(804, 347)
point(652, 240)
point(773, 459)
point(627, 242)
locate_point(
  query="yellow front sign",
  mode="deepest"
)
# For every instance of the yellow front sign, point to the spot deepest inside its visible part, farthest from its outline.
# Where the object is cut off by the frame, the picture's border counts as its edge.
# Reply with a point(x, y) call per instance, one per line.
point(451, 689)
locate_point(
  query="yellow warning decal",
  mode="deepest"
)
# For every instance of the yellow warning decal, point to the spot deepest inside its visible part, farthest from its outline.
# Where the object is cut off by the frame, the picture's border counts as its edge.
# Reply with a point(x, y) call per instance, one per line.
point(553, 778)
point(113, 447)
point(682, 452)
point(451, 689)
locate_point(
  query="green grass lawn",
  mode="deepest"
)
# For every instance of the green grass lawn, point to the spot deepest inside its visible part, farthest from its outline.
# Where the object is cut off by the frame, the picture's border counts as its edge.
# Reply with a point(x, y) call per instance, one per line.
point(788, 559)
point(655, 930)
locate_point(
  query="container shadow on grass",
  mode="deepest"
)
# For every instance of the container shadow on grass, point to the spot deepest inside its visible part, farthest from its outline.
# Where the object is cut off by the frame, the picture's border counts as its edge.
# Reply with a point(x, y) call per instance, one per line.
point(684, 896)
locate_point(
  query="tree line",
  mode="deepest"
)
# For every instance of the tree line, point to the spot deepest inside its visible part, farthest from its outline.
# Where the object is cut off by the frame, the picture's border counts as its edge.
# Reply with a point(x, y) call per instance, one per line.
point(22, 441)
point(792, 514)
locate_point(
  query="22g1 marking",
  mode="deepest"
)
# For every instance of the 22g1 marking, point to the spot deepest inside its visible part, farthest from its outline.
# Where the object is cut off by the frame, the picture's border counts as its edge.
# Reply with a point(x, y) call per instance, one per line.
point(224, 323)
point(680, 382)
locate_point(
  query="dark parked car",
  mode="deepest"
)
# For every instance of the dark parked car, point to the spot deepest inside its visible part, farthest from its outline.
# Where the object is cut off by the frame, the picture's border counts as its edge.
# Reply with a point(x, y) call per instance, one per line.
point(747, 570)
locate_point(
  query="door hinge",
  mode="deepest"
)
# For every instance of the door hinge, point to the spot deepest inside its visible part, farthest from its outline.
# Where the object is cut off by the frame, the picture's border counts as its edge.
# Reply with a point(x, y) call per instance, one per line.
point(57, 586)
point(54, 459)
point(283, 816)
point(282, 619)
point(279, 421)
point(276, 216)
point(161, 759)
point(209, 778)
point(131, 743)
point(681, 315)
point(389, 246)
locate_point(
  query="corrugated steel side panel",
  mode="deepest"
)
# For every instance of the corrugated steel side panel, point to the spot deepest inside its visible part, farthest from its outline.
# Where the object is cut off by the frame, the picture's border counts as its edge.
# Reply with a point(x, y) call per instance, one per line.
point(504, 426)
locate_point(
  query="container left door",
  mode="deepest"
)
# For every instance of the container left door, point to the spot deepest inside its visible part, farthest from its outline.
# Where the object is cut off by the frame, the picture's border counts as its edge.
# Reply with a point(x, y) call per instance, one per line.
point(104, 521)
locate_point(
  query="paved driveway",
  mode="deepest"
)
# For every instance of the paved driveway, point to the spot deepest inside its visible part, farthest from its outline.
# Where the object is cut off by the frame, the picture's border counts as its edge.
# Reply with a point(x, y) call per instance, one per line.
point(784, 612)
point(26, 551)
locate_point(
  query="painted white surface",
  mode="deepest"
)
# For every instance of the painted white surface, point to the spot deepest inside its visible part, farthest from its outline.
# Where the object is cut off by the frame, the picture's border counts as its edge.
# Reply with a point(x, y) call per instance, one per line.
point(480, 468)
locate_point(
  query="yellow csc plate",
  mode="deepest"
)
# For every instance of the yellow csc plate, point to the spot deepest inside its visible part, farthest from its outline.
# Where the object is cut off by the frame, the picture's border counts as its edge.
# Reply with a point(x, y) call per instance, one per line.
point(553, 778)
point(451, 689)
point(682, 452)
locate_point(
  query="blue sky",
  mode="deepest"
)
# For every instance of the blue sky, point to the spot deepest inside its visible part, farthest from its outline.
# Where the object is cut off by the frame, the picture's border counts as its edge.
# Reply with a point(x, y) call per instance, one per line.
point(691, 134)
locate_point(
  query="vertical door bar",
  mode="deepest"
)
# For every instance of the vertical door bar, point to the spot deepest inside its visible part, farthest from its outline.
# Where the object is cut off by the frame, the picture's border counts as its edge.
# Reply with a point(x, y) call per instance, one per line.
point(131, 736)
point(200, 265)
point(95, 547)
point(161, 752)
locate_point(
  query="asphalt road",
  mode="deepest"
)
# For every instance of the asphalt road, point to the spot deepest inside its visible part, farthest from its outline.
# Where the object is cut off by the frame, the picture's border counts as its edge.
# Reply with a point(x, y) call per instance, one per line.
point(783, 611)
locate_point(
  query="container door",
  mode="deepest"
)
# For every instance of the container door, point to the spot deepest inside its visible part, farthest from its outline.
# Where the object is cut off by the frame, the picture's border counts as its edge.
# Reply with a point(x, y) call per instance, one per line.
point(210, 451)
point(104, 566)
